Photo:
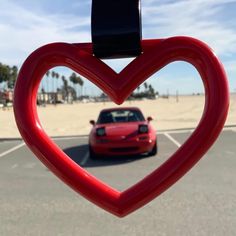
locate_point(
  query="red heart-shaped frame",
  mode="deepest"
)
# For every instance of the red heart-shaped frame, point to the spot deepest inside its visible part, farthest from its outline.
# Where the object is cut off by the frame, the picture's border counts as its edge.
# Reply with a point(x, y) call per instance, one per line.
point(156, 54)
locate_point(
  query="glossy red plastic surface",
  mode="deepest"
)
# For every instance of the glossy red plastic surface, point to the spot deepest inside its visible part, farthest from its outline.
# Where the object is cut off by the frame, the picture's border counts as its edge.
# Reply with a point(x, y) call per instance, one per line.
point(156, 54)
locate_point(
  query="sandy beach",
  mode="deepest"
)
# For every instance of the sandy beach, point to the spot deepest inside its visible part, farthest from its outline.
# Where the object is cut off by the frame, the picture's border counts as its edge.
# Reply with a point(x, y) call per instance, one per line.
point(73, 119)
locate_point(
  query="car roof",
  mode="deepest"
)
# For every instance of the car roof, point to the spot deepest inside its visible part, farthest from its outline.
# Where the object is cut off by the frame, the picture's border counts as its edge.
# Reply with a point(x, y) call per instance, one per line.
point(120, 108)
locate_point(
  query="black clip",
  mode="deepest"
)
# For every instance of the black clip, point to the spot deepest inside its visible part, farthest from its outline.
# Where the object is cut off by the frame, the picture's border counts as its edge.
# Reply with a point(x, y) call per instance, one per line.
point(116, 28)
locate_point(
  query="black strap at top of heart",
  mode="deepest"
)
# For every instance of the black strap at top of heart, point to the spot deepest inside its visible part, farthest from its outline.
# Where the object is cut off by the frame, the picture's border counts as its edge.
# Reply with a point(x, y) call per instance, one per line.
point(116, 28)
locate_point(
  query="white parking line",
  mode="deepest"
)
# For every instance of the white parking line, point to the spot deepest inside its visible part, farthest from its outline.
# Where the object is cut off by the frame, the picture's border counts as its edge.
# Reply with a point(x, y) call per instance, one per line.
point(86, 157)
point(14, 166)
point(12, 149)
point(176, 131)
point(29, 165)
point(233, 129)
point(70, 138)
point(172, 139)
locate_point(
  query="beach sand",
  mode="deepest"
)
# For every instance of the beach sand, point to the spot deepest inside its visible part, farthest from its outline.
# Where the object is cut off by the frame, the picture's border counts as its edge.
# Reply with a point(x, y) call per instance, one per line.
point(73, 119)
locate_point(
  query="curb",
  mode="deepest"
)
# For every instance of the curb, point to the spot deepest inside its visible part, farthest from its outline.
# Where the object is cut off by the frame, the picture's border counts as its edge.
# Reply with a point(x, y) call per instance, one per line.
point(85, 136)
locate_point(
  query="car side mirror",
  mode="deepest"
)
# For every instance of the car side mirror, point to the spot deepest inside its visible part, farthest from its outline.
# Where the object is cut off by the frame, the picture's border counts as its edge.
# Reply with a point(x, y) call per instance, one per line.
point(92, 122)
point(149, 118)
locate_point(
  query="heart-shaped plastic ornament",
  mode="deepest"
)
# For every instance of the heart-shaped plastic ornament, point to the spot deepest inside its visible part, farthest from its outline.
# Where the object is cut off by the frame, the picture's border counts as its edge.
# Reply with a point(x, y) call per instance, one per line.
point(156, 54)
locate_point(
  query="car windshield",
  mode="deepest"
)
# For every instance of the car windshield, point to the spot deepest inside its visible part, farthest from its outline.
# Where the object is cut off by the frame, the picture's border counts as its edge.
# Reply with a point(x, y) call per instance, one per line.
point(117, 116)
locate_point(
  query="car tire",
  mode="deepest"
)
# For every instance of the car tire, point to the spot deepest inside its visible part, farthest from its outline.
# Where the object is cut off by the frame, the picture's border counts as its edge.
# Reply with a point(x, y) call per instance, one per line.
point(153, 151)
point(92, 155)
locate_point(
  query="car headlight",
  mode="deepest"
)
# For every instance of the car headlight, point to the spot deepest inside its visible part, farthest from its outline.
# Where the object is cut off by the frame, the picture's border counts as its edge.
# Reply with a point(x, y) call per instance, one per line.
point(142, 129)
point(100, 131)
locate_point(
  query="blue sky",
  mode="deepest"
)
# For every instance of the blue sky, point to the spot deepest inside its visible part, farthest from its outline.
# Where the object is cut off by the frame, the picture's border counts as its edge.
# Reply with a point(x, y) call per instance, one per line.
point(26, 25)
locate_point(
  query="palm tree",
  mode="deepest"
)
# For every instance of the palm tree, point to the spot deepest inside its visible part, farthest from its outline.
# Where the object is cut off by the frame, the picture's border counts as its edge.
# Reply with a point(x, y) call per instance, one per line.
point(73, 80)
point(65, 87)
point(63, 78)
point(57, 76)
point(8, 75)
point(47, 80)
point(151, 89)
point(13, 77)
point(145, 85)
point(81, 83)
point(4, 73)
point(76, 79)
point(138, 88)
point(53, 74)
point(47, 75)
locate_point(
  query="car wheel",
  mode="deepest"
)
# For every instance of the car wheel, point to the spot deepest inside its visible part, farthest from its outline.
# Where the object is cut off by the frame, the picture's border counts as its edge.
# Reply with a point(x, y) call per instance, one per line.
point(153, 151)
point(92, 155)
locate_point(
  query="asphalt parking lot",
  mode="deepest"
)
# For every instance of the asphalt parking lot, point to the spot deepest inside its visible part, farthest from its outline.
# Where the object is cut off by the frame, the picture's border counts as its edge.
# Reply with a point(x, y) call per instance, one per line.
point(35, 202)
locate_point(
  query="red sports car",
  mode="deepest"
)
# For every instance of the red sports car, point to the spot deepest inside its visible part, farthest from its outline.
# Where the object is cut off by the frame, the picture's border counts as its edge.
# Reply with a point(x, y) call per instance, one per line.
point(122, 131)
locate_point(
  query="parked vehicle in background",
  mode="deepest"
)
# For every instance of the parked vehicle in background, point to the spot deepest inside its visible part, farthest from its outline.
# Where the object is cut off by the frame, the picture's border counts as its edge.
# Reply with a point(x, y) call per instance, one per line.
point(122, 131)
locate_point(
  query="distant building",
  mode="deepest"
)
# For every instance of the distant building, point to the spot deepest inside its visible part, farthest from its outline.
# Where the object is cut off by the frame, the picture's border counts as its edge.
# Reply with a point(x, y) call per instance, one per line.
point(6, 96)
point(54, 98)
